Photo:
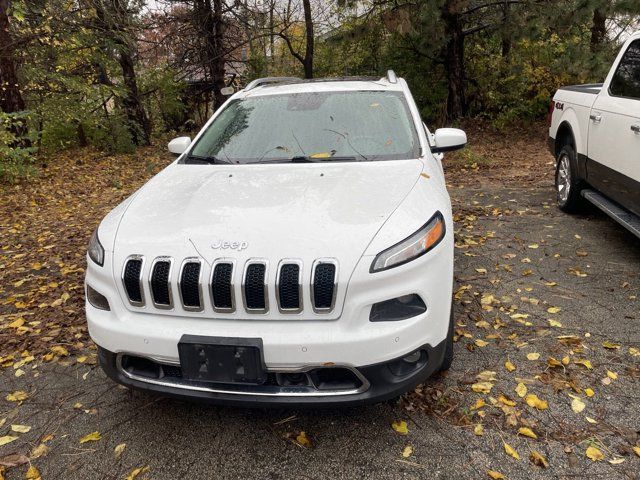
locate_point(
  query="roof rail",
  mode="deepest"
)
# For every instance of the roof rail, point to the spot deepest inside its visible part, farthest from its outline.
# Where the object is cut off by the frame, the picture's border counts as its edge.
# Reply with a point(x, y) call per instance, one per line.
point(267, 80)
point(391, 76)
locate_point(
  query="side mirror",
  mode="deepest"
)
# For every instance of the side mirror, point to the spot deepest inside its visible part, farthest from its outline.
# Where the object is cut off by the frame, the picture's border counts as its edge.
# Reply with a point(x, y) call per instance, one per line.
point(448, 139)
point(179, 145)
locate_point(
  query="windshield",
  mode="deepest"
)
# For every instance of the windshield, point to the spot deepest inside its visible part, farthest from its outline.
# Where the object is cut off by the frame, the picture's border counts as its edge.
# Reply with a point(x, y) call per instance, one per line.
point(313, 126)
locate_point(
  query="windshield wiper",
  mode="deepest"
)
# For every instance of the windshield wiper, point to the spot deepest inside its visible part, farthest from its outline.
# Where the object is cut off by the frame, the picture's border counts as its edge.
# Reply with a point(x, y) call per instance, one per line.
point(307, 159)
point(208, 159)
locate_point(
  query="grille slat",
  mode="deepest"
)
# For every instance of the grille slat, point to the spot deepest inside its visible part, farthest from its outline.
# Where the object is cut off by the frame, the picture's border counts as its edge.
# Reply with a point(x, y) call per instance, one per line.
point(254, 287)
point(324, 280)
point(221, 287)
point(190, 286)
point(131, 279)
point(289, 287)
point(160, 286)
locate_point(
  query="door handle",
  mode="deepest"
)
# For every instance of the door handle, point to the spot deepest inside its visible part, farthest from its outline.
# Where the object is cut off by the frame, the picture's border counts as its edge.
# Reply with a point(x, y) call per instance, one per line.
point(597, 118)
point(636, 128)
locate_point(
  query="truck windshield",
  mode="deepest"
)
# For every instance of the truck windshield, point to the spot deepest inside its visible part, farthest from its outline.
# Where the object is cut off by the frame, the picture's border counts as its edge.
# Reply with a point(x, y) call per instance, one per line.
point(310, 127)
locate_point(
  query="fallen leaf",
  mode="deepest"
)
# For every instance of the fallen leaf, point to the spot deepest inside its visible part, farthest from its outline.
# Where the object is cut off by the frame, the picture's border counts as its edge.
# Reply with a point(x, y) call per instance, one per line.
point(303, 440)
point(637, 450)
point(20, 428)
point(610, 345)
point(553, 309)
point(527, 432)
point(482, 387)
point(590, 420)
point(594, 454)
point(60, 350)
point(577, 405)
point(533, 356)
point(7, 439)
point(39, 451)
point(538, 459)
point(408, 450)
point(495, 475)
point(481, 343)
point(503, 399)
point(119, 449)
point(400, 427)
point(510, 451)
point(583, 362)
point(32, 474)
point(478, 429)
point(17, 396)
point(509, 366)
point(92, 437)
point(479, 404)
point(533, 401)
point(13, 460)
point(612, 375)
point(616, 461)
point(588, 392)
point(521, 390)
point(137, 471)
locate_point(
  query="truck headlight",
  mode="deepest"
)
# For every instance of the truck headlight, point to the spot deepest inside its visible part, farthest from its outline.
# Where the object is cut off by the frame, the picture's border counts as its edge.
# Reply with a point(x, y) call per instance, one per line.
point(95, 250)
point(411, 247)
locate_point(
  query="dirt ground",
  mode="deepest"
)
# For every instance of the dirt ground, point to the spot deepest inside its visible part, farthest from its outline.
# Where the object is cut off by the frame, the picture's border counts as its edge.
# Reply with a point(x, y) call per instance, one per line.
point(545, 382)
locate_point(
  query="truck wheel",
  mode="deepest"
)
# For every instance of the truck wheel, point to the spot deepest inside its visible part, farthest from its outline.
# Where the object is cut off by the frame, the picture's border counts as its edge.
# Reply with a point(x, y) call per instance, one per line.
point(448, 352)
point(568, 185)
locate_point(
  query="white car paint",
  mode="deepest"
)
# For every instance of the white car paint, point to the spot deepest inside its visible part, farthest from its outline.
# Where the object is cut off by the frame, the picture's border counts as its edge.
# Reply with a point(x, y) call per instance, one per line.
point(347, 211)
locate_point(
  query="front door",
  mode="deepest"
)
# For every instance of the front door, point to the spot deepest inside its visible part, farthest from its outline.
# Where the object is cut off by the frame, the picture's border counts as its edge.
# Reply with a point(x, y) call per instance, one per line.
point(614, 133)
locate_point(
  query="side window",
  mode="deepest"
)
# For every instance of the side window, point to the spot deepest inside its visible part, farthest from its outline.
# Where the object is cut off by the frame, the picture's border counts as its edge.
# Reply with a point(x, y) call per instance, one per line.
point(626, 80)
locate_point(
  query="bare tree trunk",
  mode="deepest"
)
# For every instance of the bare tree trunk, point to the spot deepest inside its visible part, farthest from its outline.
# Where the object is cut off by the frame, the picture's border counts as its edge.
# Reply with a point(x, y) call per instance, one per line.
point(308, 55)
point(598, 29)
point(454, 61)
point(11, 100)
point(209, 22)
point(505, 37)
point(113, 18)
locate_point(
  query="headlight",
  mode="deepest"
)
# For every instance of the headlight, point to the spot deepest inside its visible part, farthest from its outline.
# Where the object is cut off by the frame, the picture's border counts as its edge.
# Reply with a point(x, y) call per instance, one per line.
point(96, 251)
point(412, 247)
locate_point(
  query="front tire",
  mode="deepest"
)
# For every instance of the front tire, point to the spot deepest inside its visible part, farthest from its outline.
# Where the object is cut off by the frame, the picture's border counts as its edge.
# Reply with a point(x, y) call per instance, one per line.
point(568, 184)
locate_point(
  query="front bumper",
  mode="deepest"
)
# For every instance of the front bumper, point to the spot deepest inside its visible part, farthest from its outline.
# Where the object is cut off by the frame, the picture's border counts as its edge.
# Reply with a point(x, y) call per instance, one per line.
point(380, 384)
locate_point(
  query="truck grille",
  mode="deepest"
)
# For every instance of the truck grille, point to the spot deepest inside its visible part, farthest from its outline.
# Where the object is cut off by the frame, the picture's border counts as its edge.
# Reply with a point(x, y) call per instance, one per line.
point(221, 281)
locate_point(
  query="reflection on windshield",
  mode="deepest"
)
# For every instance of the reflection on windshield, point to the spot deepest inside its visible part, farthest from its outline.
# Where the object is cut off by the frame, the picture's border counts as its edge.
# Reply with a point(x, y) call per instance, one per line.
point(314, 126)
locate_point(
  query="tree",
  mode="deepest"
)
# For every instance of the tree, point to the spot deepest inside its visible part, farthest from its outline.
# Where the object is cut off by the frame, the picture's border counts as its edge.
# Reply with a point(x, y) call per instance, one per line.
point(11, 100)
point(114, 19)
point(287, 33)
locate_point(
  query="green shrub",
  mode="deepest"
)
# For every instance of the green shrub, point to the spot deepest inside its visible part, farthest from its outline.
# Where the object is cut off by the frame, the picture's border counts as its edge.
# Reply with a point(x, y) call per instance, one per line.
point(16, 151)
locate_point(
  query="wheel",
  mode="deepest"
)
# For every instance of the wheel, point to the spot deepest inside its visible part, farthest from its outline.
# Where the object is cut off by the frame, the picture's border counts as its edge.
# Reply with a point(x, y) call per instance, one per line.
point(448, 352)
point(568, 185)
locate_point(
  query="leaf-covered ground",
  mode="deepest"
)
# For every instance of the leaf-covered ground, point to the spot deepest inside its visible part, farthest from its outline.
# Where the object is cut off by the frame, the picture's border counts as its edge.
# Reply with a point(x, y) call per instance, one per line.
point(545, 383)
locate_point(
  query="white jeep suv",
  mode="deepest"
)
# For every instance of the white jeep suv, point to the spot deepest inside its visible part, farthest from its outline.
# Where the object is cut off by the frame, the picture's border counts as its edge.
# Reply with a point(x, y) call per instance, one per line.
point(299, 251)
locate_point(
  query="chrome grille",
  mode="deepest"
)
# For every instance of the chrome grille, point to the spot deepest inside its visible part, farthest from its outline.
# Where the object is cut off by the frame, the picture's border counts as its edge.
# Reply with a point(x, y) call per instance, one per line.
point(221, 281)
point(189, 285)
point(324, 285)
point(289, 288)
point(132, 280)
point(254, 286)
point(222, 296)
point(160, 282)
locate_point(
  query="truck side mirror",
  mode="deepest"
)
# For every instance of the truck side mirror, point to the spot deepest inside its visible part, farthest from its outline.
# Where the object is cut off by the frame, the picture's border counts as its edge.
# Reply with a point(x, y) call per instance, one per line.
point(449, 139)
point(179, 145)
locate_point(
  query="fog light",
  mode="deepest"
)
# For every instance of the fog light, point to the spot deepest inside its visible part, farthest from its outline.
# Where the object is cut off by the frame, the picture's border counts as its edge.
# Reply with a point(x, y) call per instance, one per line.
point(96, 299)
point(412, 357)
point(400, 308)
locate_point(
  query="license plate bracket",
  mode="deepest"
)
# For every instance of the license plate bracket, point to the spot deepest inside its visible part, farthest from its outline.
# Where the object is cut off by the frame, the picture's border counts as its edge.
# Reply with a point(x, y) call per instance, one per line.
point(222, 359)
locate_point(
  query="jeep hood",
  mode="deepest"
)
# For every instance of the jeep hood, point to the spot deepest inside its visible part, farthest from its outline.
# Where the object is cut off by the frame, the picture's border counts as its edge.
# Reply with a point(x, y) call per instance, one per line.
point(301, 211)
point(278, 211)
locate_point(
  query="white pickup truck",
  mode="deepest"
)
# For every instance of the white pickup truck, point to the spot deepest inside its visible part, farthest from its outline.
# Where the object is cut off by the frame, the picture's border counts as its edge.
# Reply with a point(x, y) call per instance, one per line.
point(595, 138)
